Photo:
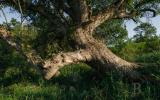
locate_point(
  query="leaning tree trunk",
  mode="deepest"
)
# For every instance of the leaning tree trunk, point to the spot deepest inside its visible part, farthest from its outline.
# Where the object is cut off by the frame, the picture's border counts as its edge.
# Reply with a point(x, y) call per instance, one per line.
point(93, 52)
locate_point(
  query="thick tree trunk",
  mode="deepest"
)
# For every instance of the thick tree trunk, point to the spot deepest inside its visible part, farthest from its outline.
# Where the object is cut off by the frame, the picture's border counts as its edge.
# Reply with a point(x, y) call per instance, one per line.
point(94, 53)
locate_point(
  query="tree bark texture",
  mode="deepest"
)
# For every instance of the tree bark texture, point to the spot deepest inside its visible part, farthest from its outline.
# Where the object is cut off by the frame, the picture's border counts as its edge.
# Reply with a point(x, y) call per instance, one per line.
point(92, 52)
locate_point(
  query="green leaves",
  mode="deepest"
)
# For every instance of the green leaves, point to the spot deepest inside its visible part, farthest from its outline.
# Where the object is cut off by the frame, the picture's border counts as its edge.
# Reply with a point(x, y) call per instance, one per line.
point(144, 31)
point(113, 32)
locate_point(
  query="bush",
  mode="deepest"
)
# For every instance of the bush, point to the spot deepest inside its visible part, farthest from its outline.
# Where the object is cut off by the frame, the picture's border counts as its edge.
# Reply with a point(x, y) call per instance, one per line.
point(130, 50)
point(149, 58)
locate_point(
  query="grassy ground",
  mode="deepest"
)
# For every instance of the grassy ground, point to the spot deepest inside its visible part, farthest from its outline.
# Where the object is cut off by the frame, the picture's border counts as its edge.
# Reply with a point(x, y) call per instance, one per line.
point(20, 81)
point(77, 82)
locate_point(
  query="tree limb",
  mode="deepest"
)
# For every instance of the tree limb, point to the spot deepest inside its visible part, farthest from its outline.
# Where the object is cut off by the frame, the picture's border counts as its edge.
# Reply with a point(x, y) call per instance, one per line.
point(52, 66)
point(111, 12)
point(149, 10)
point(77, 10)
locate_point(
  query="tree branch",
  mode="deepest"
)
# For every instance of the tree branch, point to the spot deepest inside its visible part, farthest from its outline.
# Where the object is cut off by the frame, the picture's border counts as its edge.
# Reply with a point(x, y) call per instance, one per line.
point(85, 13)
point(52, 66)
point(149, 10)
point(78, 10)
point(28, 6)
point(114, 11)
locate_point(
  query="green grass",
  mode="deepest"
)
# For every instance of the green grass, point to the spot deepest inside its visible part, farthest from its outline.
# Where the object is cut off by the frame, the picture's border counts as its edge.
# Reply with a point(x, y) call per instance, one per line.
point(76, 82)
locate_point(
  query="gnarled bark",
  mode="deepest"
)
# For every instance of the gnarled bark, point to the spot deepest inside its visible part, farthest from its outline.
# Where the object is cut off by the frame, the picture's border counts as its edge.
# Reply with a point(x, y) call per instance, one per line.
point(92, 52)
point(52, 66)
point(100, 57)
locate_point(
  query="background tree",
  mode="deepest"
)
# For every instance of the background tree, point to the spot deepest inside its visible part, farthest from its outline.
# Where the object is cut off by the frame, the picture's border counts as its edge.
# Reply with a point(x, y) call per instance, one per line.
point(145, 31)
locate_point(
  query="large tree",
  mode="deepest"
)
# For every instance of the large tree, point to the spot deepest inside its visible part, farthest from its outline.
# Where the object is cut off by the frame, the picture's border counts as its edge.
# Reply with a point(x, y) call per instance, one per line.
point(79, 18)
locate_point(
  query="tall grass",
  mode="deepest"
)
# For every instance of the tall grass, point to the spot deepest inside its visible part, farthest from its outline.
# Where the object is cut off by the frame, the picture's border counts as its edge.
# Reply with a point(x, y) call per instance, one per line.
point(76, 82)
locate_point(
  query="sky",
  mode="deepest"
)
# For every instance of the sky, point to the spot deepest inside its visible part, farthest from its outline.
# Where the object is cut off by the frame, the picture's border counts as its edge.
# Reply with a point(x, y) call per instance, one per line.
point(130, 25)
